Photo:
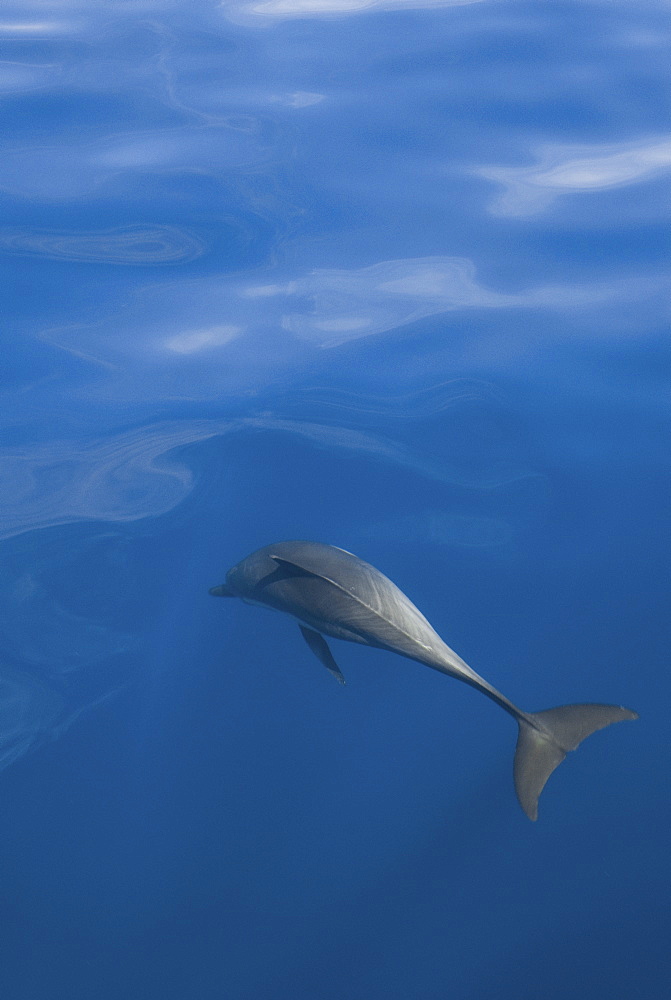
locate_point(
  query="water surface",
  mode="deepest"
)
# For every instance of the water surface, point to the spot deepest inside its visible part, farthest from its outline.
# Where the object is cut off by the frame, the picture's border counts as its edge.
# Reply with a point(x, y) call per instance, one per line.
point(389, 274)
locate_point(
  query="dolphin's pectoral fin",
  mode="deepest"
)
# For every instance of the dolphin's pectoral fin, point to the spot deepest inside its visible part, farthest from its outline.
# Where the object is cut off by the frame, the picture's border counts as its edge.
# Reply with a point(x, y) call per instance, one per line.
point(319, 647)
point(221, 591)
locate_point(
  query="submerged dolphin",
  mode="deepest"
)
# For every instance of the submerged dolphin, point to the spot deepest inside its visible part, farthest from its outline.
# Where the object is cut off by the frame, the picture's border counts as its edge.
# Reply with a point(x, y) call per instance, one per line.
point(332, 592)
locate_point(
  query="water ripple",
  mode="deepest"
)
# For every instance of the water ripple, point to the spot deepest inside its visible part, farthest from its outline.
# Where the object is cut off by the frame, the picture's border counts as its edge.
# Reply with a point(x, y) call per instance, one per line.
point(128, 245)
point(131, 476)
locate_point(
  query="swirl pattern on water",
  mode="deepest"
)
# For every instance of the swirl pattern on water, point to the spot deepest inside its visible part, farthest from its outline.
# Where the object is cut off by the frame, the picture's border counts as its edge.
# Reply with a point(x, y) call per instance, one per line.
point(29, 711)
point(131, 476)
point(130, 245)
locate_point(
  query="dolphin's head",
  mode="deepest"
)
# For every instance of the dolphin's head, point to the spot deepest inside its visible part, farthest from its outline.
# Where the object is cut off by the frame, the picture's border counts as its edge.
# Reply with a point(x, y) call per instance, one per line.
point(244, 579)
point(226, 589)
point(229, 589)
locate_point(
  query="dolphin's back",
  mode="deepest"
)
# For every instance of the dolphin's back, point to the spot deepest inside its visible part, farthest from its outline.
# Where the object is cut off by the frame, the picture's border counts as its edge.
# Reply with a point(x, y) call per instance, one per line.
point(338, 594)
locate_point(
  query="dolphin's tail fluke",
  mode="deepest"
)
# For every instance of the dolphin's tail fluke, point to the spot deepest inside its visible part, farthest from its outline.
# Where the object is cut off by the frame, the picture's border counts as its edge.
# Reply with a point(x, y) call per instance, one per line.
point(546, 738)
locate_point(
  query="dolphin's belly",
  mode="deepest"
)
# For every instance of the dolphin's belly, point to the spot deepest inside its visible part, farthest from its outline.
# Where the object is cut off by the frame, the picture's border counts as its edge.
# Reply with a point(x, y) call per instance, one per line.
point(332, 630)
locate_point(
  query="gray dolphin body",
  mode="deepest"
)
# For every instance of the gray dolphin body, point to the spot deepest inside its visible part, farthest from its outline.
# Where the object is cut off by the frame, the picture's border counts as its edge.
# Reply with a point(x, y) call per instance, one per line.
point(332, 592)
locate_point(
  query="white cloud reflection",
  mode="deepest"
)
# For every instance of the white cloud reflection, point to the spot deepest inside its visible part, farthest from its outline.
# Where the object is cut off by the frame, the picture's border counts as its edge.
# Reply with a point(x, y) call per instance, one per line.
point(34, 28)
point(348, 305)
point(303, 99)
point(193, 341)
point(275, 9)
point(564, 169)
point(353, 304)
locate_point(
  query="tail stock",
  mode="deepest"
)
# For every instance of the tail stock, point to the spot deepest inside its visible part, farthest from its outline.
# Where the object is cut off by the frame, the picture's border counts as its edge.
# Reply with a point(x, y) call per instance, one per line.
point(546, 738)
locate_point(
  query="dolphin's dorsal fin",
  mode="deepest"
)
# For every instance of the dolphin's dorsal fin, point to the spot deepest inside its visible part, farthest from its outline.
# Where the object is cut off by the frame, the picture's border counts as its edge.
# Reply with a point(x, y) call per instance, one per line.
point(292, 565)
point(319, 647)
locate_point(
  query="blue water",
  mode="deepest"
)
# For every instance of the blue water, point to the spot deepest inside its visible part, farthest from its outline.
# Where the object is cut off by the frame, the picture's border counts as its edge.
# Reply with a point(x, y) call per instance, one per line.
point(391, 275)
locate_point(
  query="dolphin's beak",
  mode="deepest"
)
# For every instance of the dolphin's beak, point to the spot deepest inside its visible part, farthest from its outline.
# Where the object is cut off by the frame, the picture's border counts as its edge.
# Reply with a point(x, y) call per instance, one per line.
point(221, 591)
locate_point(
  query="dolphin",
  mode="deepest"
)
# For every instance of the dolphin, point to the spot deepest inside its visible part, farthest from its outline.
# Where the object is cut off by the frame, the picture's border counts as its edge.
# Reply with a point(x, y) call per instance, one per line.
point(332, 592)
